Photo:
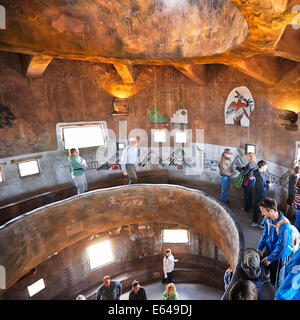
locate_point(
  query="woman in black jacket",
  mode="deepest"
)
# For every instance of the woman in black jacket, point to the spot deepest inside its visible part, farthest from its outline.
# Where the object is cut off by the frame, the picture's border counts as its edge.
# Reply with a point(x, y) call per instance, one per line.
point(249, 179)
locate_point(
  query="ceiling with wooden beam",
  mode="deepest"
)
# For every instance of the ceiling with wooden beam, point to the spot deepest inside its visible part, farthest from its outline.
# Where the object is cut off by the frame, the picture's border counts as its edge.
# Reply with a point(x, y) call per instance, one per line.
point(260, 38)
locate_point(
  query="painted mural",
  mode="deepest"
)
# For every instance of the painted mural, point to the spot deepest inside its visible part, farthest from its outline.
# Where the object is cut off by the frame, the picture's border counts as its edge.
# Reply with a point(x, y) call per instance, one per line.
point(239, 106)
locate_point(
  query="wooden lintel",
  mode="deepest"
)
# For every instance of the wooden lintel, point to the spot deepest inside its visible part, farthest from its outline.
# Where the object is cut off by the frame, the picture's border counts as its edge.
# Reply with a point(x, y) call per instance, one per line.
point(195, 73)
point(37, 66)
point(126, 72)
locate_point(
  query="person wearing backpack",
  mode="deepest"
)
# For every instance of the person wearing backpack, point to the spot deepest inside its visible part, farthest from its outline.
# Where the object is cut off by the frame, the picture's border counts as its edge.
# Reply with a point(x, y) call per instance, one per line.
point(249, 179)
point(276, 240)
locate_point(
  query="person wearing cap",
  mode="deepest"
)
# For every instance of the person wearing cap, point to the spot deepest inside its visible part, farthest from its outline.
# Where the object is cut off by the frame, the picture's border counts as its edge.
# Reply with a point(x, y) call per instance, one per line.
point(137, 292)
point(109, 290)
point(226, 172)
point(252, 269)
point(129, 161)
point(168, 266)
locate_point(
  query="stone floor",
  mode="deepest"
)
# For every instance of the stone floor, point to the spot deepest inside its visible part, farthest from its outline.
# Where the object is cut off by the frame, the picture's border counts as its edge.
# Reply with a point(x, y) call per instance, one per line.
point(186, 291)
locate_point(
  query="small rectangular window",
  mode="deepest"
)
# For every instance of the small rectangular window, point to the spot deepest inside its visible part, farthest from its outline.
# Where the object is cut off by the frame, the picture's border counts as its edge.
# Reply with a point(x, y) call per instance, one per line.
point(159, 135)
point(28, 168)
point(100, 254)
point(84, 136)
point(298, 154)
point(180, 137)
point(175, 236)
point(36, 287)
point(1, 175)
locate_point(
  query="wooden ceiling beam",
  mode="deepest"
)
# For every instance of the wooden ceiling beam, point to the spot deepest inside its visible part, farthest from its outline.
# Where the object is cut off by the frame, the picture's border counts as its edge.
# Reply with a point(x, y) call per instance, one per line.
point(37, 66)
point(126, 72)
point(196, 73)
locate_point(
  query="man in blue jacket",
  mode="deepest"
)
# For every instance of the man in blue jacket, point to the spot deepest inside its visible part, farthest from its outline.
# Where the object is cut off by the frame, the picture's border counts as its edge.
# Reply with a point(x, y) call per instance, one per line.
point(290, 287)
point(276, 239)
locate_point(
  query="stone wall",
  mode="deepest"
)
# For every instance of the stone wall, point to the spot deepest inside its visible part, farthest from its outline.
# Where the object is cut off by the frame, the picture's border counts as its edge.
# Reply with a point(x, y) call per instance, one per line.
point(70, 91)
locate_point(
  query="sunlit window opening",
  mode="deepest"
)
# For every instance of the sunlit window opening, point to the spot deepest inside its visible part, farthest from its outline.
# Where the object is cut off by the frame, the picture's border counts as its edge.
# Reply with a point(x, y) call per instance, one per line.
point(180, 137)
point(83, 136)
point(1, 176)
point(36, 287)
point(100, 254)
point(28, 168)
point(159, 135)
point(175, 236)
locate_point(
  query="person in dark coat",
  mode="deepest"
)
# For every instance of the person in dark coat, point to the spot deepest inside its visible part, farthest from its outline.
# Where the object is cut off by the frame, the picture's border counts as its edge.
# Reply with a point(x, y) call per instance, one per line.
point(291, 189)
point(137, 292)
point(249, 179)
point(261, 188)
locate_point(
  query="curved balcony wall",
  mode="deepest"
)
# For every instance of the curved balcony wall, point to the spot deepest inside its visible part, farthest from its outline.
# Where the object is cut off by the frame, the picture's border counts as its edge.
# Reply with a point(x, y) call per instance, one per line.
point(37, 235)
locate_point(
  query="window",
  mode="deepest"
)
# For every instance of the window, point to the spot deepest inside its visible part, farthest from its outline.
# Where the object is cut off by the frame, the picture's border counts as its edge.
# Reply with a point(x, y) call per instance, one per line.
point(100, 254)
point(159, 135)
point(175, 236)
point(28, 168)
point(1, 175)
point(83, 136)
point(250, 148)
point(36, 287)
point(298, 153)
point(180, 137)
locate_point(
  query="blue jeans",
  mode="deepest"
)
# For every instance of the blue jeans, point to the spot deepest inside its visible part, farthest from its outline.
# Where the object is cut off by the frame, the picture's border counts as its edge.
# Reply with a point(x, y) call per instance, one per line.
point(297, 221)
point(248, 195)
point(225, 182)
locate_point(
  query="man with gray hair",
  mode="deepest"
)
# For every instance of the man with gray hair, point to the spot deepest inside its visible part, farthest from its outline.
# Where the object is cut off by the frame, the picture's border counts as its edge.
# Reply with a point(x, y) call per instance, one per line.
point(129, 161)
point(226, 172)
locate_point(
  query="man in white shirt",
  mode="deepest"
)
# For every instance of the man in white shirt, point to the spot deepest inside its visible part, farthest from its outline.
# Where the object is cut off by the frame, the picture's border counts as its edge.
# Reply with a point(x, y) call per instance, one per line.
point(129, 161)
point(168, 265)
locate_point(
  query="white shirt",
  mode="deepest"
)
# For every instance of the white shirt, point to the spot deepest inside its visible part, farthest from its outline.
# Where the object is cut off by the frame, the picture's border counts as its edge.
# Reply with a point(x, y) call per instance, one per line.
point(168, 264)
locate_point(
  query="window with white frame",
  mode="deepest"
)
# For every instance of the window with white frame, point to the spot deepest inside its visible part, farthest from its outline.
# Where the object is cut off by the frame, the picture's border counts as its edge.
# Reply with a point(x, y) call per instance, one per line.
point(180, 137)
point(36, 287)
point(83, 136)
point(159, 135)
point(29, 167)
point(175, 236)
point(100, 254)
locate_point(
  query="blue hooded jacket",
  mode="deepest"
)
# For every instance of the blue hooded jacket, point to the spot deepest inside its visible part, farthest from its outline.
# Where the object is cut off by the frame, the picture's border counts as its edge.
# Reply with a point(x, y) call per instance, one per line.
point(290, 287)
point(280, 246)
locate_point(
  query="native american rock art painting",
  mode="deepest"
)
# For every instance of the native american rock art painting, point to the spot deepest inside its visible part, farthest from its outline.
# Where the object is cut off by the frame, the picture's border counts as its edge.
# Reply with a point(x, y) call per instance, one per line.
point(239, 106)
